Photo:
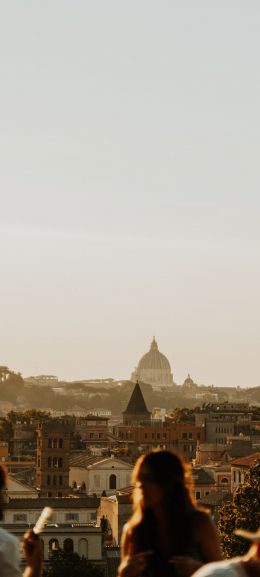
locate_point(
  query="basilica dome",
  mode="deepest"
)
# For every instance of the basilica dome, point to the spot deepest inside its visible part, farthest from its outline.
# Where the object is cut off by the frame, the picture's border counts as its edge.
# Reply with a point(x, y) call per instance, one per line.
point(154, 368)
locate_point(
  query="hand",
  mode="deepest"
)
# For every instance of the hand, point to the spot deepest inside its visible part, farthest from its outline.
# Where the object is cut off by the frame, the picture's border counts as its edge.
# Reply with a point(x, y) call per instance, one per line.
point(135, 565)
point(185, 566)
point(32, 550)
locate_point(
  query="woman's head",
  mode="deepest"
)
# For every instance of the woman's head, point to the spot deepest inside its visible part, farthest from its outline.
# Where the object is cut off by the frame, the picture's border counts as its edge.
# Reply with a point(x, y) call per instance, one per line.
point(160, 476)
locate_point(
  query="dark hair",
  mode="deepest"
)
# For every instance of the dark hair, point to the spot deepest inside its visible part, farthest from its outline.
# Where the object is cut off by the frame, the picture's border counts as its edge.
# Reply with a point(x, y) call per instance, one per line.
point(167, 470)
point(3, 477)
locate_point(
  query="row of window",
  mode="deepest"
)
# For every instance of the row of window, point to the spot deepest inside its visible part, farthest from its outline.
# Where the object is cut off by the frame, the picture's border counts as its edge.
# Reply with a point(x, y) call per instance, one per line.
point(68, 546)
point(54, 480)
point(55, 443)
point(23, 517)
point(56, 462)
point(224, 430)
point(95, 436)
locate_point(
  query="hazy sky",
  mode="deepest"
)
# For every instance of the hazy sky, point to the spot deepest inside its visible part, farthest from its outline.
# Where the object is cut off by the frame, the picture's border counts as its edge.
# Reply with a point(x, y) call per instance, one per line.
point(129, 178)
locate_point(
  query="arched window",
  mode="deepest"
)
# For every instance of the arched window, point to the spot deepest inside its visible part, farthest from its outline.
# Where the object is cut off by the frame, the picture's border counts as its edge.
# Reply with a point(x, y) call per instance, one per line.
point(112, 482)
point(224, 480)
point(83, 548)
point(68, 546)
point(53, 545)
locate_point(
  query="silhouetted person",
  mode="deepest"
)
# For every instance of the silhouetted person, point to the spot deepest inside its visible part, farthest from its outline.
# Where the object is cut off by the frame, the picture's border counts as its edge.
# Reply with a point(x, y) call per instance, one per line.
point(166, 534)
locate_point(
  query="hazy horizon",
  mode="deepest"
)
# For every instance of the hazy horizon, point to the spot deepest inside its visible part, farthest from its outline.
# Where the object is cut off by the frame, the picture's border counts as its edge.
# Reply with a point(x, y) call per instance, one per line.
point(130, 188)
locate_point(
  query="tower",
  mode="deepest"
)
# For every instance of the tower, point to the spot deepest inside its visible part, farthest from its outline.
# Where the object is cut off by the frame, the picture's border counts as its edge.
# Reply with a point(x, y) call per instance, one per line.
point(52, 466)
point(136, 411)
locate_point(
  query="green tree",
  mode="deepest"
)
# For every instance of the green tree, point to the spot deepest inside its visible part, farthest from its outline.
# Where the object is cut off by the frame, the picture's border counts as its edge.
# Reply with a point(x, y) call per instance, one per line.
point(243, 512)
point(63, 564)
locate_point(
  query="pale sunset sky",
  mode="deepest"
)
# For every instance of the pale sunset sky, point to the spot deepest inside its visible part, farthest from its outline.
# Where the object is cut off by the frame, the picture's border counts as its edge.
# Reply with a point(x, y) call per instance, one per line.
point(129, 179)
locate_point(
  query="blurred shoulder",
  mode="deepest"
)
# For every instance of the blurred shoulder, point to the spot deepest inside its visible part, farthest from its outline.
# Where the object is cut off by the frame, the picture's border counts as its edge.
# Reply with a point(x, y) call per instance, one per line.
point(7, 539)
point(227, 568)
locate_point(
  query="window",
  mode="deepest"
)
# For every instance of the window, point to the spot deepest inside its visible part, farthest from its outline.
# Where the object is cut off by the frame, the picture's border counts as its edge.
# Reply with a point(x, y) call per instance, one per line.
point(198, 436)
point(71, 516)
point(53, 545)
point(145, 436)
point(48, 479)
point(49, 494)
point(197, 494)
point(20, 517)
point(158, 435)
point(68, 546)
point(49, 462)
point(60, 462)
point(55, 443)
point(83, 548)
point(101, 436)
point(60, 480)
point(112, 482)
point(49, 443)
point(93, 516)
point(190, 435)
point(184, 435)
point(60, 443)
point(55, 462)
point(54, 480)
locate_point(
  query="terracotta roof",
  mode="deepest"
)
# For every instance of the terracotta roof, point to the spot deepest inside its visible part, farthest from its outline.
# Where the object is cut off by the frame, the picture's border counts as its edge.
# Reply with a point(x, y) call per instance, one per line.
point(136, 405)
point(61, 503)
point(245, 461)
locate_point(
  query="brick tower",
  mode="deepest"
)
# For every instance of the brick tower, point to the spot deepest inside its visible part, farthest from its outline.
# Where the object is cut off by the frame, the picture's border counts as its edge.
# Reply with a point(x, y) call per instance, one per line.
point(136, 411)
point(52, 465)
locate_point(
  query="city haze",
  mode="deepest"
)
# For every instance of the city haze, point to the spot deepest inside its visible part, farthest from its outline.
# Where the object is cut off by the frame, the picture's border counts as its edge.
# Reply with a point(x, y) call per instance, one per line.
point(130, 188)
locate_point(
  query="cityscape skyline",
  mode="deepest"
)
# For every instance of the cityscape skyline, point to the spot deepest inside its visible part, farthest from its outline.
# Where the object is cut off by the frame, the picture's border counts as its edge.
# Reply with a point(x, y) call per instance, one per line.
point(130, 188)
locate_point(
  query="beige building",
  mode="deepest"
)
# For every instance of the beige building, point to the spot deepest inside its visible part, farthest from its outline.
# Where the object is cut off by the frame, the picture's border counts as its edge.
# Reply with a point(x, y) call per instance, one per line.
point(73, 525)
point(115, 511)
point(99, 474)
point(239, 468)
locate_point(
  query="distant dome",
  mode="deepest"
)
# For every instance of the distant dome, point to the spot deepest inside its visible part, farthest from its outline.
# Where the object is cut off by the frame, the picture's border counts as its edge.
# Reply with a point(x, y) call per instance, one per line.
point(154, 368)
point(154, 359)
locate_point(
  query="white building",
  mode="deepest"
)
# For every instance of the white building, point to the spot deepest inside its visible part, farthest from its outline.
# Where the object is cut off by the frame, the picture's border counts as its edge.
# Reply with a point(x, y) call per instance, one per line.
point(98, 474)
point(73, 525)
